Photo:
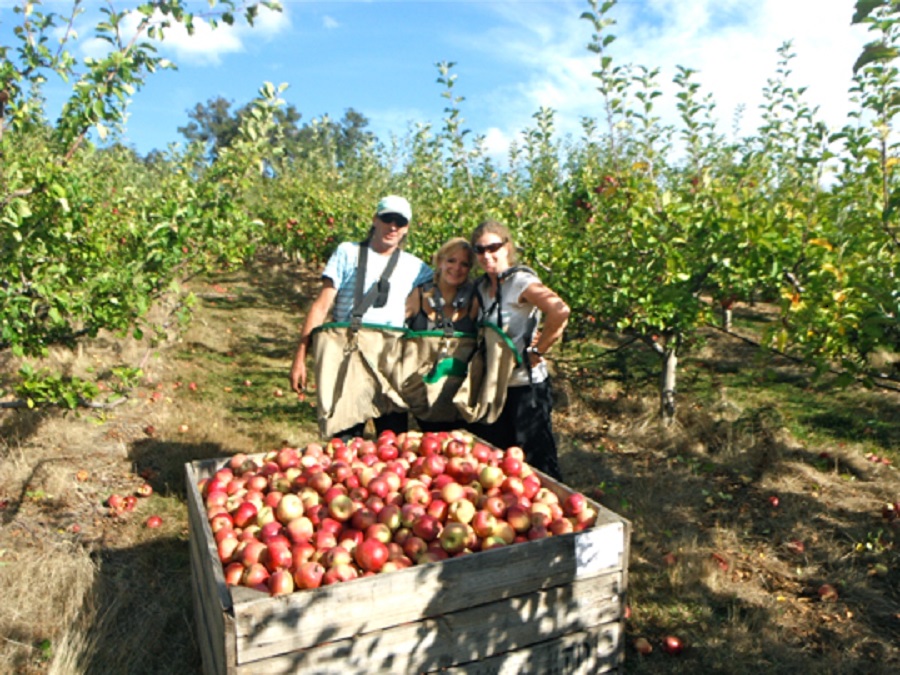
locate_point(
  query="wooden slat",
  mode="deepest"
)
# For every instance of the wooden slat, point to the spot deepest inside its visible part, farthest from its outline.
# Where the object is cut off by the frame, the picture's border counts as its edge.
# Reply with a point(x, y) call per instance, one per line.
point(215, 629)
point(464, 637)
point(213, 660)
point(270, 626)
point(595, 650)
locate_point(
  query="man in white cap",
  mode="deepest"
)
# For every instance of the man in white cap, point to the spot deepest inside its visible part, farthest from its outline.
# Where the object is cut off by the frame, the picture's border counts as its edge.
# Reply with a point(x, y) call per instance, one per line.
point(341, 290)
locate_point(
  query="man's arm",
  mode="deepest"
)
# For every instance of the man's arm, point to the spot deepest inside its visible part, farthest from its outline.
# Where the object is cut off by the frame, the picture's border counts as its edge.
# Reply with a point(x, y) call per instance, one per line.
point(318, 312)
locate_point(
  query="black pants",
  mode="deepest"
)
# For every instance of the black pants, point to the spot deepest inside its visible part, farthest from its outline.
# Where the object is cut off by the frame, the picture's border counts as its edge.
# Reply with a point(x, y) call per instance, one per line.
point(397, 422)
point(526, 422)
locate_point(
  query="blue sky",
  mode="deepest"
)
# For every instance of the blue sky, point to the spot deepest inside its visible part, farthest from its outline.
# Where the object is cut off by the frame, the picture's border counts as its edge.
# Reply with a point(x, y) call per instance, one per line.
point(512, 56)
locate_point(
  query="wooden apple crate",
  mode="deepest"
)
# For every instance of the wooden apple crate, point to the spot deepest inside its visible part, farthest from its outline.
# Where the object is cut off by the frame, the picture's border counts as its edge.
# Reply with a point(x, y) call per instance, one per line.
point(554, 605)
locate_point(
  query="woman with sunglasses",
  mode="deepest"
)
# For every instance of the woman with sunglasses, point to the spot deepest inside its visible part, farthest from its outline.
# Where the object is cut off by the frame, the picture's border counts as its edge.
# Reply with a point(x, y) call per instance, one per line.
point(447, 304)
point(514, 299)
point(389, 276)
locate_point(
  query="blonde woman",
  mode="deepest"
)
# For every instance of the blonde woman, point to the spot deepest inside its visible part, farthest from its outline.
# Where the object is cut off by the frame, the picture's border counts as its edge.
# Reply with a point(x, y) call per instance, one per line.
point(449, 300)
point(448, 304)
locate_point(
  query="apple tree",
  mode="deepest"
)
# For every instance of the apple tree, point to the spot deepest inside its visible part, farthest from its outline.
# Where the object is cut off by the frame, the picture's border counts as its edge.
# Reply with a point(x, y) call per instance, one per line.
point(88, 240)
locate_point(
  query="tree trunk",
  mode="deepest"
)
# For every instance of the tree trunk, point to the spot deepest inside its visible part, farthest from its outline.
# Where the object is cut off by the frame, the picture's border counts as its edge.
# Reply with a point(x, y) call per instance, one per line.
point(667, 385)
point(726, 319)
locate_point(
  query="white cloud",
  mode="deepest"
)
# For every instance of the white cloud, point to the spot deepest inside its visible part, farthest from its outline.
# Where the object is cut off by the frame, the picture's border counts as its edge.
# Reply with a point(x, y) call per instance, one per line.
point(207, 45)
point(496, 143)
point(330, 22)
point(731, 44)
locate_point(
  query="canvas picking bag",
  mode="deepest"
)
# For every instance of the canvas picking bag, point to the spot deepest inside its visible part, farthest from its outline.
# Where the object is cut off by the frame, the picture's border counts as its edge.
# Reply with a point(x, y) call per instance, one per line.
point(355, 374)
point(482, 393)
point(435, 365)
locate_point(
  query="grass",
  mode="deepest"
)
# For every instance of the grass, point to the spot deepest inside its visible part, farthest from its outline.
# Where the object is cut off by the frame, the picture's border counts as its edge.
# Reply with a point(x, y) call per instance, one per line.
point(712, 559)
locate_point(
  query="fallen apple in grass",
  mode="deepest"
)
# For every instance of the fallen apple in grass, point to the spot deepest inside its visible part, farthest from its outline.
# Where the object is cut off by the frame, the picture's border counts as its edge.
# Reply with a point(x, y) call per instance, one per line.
point(153, 522)
point(642, 646)
point(116, 502)
point(828, 593)
point(672, 645)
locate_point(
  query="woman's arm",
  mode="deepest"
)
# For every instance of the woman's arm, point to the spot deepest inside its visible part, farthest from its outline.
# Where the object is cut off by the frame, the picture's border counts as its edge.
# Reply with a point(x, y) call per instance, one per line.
point(555, 311)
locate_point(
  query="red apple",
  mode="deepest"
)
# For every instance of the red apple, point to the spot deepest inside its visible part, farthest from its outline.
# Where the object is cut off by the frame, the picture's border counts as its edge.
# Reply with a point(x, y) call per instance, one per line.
point(438, 508)
point(324, 540)
point(516, 452)
point(309, 575)
point(339, 573)
point(299, 530)
point(828, 593)
point(233, 573)
point(642, 646)
point(574, 504)
point(277, 556)
point(269, 531)
point(245, 514)
point(541, 514)
point(390, 516)
point(226, 548)
point(336, 555)
point(454, 537)
point(481, 452)
point(673, 645)
point(300, 553)
point(430, 444)
point(341, 508)
point(427, 527)
point(491, 476)
point(289, 507)
point(518, 518)
point(281, 582)
point(371, 555)
point(538, 531)
point(484, 523)
point(250, 551)
point(414, 546)
point(265, 515)
point(254, 575)
point(154, 522)
point(496, 506)
point(532, 485)
point(272, 497)
point(561, 526)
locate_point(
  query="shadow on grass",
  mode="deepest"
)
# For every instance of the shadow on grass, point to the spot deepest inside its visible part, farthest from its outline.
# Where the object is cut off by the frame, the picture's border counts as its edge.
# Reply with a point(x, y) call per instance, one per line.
point(686, 507)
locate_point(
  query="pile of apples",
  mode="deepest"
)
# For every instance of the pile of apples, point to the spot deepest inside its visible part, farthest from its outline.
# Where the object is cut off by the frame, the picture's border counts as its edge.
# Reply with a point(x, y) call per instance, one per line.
point(298, 519)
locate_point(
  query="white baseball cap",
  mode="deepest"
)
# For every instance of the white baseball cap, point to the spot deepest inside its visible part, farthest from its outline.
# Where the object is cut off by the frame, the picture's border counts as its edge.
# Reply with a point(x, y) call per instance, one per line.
point(394, 204)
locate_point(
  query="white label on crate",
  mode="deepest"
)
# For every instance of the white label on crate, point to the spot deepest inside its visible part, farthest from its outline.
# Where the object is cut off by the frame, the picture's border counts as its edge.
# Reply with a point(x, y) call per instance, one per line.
point(598, 549)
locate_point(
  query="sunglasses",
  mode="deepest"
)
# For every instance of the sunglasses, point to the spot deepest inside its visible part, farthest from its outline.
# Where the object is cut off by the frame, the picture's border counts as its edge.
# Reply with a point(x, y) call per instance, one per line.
point(481, 249)
point(393, 219)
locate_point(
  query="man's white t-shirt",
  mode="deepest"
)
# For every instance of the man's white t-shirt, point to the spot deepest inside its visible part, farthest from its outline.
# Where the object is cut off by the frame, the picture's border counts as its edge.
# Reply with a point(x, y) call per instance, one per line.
point(341, 269)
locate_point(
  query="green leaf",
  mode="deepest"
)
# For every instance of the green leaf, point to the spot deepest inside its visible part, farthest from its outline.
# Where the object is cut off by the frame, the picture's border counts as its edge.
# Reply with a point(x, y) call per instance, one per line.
point(864, 8)
point(875, 51)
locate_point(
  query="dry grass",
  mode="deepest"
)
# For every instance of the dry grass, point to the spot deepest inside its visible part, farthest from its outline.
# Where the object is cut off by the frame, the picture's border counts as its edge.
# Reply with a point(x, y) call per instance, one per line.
point(711, 560)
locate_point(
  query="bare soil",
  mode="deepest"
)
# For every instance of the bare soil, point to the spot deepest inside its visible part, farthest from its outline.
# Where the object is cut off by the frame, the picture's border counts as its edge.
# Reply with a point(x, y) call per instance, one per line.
point(741, 512)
